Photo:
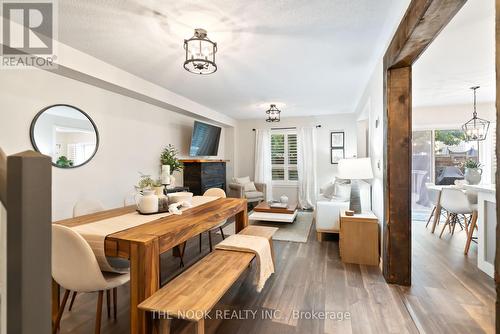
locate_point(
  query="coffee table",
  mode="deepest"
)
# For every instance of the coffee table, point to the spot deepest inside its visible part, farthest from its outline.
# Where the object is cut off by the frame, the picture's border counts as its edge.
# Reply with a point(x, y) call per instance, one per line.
point(264, 212)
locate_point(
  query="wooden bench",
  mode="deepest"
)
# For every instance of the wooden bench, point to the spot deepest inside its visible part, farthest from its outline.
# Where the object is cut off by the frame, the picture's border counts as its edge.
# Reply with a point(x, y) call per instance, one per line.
point(193, 294)
point(262, 231)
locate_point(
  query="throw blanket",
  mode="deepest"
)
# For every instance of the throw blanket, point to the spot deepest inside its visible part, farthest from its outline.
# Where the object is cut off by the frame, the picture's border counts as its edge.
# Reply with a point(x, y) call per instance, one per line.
point(258, 245)
point(95, 233)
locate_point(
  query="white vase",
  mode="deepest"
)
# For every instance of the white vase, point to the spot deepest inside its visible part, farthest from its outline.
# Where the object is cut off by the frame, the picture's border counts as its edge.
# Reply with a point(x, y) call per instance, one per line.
point(147, 202)
point(473, 175)
point(172, 182)
point(284, 199)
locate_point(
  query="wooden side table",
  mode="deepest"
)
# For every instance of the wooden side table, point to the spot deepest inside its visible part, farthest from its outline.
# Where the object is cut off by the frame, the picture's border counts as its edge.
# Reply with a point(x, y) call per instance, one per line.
point(359, 238)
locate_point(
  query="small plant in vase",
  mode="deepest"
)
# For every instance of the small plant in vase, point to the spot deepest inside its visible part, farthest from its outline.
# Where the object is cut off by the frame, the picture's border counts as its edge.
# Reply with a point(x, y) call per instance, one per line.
point(473, 171)
point(145, 182)
point(169, 158)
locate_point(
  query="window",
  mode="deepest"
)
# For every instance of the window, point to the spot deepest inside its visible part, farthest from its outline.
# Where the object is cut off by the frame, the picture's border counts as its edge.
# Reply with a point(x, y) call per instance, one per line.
point(284, 156)
point(80, 152)
point(451, 150)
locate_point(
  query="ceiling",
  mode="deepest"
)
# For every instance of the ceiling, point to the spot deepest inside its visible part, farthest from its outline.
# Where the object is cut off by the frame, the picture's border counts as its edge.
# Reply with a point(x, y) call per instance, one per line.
point(463, 55)
point(311, 57)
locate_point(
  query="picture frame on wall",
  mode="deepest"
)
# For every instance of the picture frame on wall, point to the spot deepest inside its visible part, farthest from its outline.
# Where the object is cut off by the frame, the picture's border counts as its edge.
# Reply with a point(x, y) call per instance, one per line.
point(336, 155)
point(337, 146)
point(337, 139)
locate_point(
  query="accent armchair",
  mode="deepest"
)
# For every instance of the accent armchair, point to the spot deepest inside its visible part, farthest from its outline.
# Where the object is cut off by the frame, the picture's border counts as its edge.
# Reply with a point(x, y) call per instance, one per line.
point(237, 190)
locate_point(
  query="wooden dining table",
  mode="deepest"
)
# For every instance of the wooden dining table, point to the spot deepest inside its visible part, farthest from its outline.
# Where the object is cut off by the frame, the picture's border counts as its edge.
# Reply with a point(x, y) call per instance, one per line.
point(144, 244)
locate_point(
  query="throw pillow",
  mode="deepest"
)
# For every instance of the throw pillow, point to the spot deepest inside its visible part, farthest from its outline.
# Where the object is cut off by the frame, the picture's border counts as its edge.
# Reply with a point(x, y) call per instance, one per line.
point(342, 190)
point(250, 186)
point(242, 180)
point(329, 190)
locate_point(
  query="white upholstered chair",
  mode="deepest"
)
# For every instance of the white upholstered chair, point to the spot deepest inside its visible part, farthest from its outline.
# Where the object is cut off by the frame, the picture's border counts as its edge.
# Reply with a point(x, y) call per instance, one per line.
point(216, 192)
point(75, 268)
point(456, 202)
point(433, 195)
point(86, 207)
point(240, 188)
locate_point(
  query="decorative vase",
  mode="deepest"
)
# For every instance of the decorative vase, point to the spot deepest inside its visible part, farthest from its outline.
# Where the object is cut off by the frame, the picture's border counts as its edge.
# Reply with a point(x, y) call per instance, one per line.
point(159, 191)
point(165, 174)
point(284, 199)
point(473, 175)
point(172, 182)
point(147, 202)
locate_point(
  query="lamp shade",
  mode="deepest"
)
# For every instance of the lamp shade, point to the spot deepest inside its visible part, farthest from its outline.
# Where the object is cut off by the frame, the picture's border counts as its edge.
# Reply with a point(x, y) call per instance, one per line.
point(355, 169)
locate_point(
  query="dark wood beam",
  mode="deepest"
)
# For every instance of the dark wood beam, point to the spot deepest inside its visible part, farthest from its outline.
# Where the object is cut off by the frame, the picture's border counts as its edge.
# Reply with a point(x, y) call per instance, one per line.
point(397, 229)
point(421, 24)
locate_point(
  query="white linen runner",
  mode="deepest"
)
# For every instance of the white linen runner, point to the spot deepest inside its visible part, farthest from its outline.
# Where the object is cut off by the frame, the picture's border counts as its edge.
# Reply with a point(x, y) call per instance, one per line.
point(260, 247)
point(95, 233)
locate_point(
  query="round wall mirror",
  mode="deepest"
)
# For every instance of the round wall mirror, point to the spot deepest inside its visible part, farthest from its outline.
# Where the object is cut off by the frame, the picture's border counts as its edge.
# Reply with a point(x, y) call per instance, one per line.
point(66, 134)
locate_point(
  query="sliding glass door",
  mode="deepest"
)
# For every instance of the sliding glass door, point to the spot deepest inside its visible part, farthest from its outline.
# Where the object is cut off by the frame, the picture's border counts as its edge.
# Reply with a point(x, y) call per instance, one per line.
point(422, 167)
point(438, 156)
point(451, 150)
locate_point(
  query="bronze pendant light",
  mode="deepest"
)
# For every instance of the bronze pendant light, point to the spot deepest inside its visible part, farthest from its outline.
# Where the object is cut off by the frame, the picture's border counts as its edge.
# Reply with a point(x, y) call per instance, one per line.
point(273, 114)
point(200, 53)
point(476, 128)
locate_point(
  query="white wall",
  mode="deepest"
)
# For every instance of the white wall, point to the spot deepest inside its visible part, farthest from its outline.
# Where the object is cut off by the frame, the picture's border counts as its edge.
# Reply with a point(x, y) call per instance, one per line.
point(245, 145)
point(132, 135)
point(449, 116)
point(371, 108)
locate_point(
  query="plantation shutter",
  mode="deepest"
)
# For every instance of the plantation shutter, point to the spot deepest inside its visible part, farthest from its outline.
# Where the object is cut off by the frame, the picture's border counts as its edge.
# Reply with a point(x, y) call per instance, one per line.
point(278, 156)
point(292, 157)
point(284, 156)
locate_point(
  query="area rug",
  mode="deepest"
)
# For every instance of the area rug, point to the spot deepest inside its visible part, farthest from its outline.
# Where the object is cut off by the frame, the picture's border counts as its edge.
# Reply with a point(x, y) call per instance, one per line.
point(298, 231)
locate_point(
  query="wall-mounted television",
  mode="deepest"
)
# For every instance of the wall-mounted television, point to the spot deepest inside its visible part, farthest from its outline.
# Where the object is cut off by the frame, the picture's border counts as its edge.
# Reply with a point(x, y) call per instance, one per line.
point(204, 140)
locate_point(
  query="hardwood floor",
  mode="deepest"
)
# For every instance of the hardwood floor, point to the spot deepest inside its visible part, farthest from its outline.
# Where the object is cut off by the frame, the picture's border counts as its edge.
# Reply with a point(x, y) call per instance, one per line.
point(449, 294)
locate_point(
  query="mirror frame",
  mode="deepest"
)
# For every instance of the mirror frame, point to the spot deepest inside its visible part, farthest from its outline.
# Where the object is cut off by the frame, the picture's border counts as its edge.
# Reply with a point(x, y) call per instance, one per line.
point(32, 132)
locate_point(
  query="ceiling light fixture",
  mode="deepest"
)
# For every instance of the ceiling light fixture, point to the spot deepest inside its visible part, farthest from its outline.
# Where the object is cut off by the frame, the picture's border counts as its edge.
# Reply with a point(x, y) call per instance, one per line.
point(273, 114)
point(476, 128)
point(200, 53)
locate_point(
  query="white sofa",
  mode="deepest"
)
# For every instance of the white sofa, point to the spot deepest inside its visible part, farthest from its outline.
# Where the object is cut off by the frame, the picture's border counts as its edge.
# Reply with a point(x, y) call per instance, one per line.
point(328, 210)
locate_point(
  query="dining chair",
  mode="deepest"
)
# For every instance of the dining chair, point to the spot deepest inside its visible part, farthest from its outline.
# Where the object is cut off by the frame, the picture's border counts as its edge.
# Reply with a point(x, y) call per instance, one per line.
point(75, 268)
point(433, 195)
point(215, 192)
point(456, 203)
point(86, 207)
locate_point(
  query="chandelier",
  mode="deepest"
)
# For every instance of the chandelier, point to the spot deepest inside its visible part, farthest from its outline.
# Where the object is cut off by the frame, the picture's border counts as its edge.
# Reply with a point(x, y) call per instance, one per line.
point(200, 53)
point(476, 128)
point(273, 114)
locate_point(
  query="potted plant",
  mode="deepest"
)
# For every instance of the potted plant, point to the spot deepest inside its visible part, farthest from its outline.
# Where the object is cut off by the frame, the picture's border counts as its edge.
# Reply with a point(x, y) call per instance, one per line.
point(473, 171)
point(64, 162)
point(168, 157)
point(145, 182)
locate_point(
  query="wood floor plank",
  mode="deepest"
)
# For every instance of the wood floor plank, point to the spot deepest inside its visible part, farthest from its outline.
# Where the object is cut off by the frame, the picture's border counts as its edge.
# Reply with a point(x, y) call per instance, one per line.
point(449, 294)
